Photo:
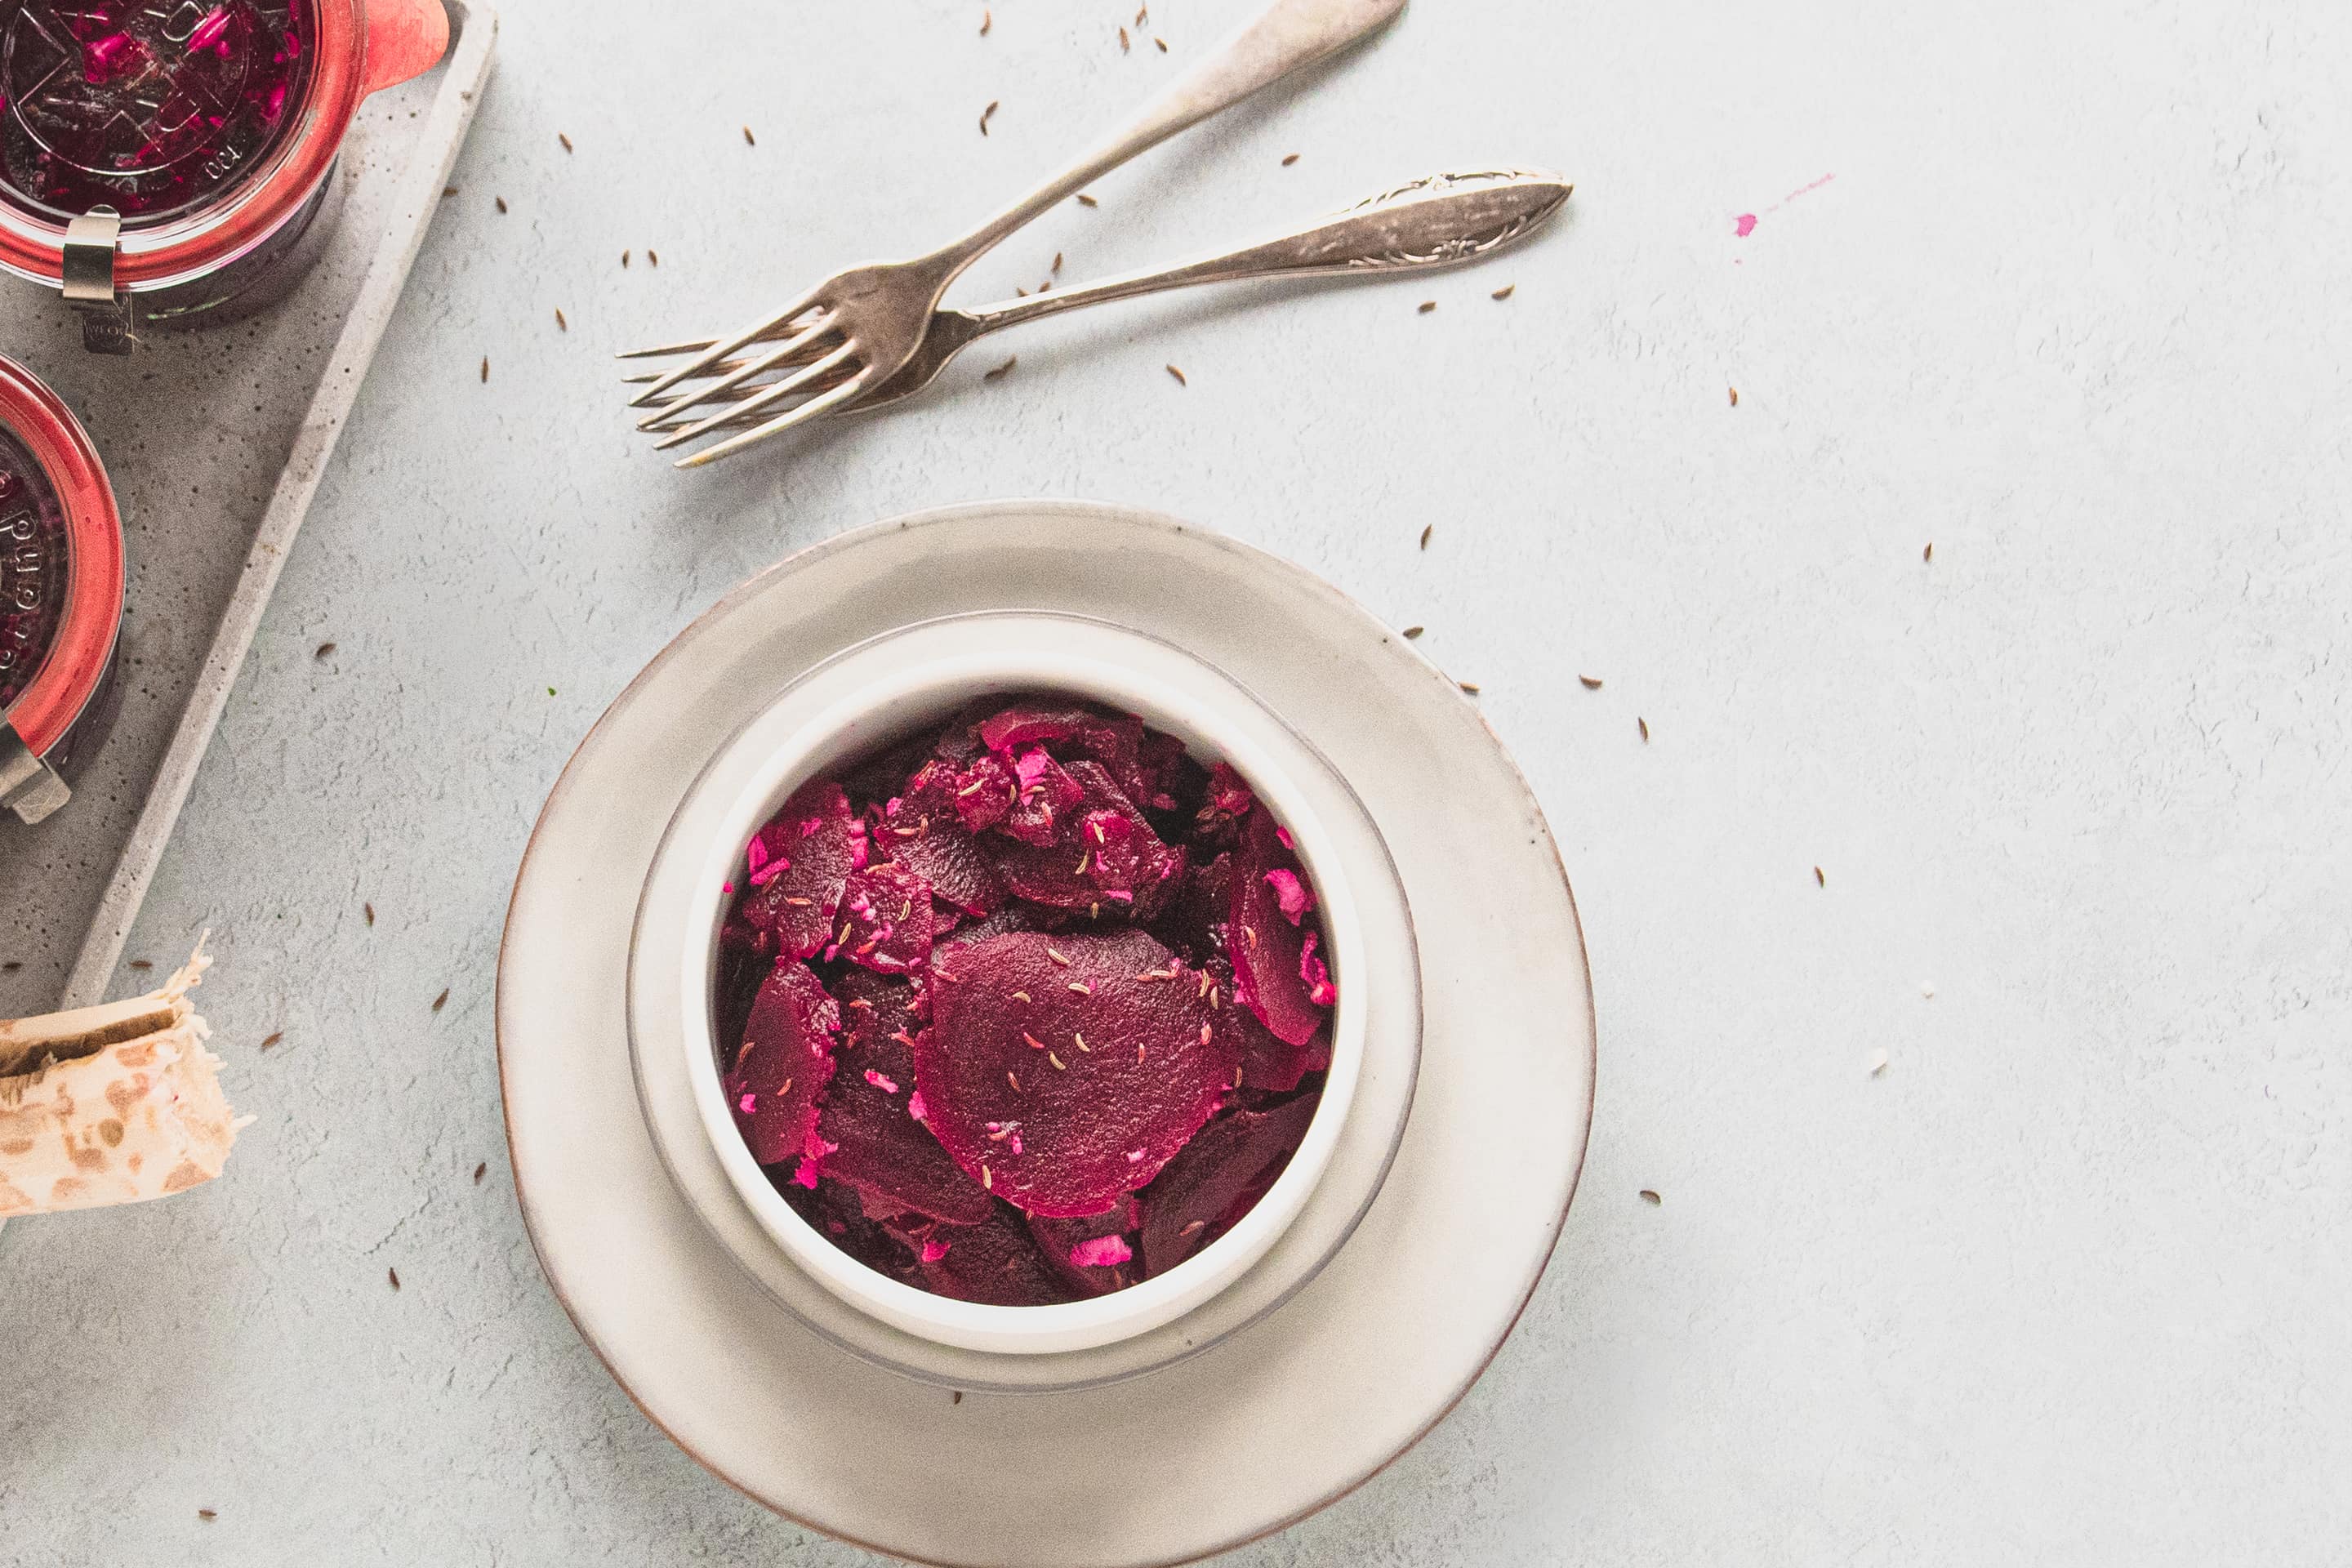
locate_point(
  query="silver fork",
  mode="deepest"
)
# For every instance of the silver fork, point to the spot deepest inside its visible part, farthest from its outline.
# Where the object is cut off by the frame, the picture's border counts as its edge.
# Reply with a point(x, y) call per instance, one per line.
point(1443, 220)
point(870, 320)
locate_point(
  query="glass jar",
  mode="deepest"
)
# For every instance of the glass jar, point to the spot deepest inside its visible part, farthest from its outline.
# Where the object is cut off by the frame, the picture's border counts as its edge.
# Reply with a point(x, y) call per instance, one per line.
point(60, 595)
point(172, 161)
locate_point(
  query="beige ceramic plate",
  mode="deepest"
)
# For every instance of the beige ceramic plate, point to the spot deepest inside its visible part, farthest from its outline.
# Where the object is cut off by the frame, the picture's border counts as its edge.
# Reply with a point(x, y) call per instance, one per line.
point(1243, 1438)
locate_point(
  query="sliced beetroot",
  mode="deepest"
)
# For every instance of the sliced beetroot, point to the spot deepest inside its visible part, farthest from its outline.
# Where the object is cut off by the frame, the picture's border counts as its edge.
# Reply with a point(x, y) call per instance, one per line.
point(840, 1213)
point(886, 920)
point(1097, 1053)
point(1229, 1165)
point(1045, 797)
point(784, 1064)
point(1105, 855)
point(1269, 1062)
point(1264, 944)
point(1197, 915)
point(1168, 774)
point(1225, 806)
point(984, 792)
point(877, 1144)
point(797, 864)
point(1093, 1256)
point(925, 832)
point(995, 1263)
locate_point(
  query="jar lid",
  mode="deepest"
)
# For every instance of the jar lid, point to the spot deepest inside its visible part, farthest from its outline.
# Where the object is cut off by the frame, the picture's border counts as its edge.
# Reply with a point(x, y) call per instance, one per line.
point(356, 46)
point(82, 641)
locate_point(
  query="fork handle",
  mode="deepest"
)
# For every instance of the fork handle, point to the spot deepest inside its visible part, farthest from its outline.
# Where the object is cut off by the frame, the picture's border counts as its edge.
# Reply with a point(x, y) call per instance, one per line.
point(1288, 36)
point(1441, 221)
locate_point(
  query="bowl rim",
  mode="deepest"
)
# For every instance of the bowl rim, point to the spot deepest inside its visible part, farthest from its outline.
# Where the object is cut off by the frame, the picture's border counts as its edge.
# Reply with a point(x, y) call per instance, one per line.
point(936, 684)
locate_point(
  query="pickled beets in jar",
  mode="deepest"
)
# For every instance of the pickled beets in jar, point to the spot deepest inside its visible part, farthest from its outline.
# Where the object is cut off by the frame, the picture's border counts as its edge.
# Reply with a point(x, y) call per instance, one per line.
point(150, 107)
point(32, 568)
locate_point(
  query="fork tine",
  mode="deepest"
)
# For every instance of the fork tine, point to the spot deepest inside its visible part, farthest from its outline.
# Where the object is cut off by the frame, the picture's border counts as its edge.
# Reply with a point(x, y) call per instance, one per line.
point(732, 402)
point(667, 350)
point(763, 398)
point(743, 373)
point(806, 411)
point(719, 351)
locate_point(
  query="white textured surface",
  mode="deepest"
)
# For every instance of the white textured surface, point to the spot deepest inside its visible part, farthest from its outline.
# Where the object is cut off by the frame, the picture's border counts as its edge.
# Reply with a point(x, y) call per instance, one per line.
point(2065, 1283)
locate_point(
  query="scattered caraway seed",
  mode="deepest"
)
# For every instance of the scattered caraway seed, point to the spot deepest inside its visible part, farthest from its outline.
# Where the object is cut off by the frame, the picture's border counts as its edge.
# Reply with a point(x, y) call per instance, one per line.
point(1469, 686)
point(653, 257)
point(749, 140)
point(986, 115)
point(1057, 264)
point(1001, 372)
point(501, 201)
point(1735, 397)
point(987, 20)
point(1818, 879)
point(959, 1397)
point(1875, 1063)
point(1426, 307)
point(11, 966)
point(1505, 293)
point(625, 257)
point(1650, 1198)
point(1122, 41)
point(448, 191)
point(273, 1039)
point(1143, 16)
point(142, 964)
point(1412, 632)
point(486, 369)
point(1178, 375)
point(1591, 683)
point(208, 1515)
point(560, 136)
point(1162, 43)
point(1288, 159)
point(561, 324)
point(326, 649)
point(369, 911)
point(441, 1001)
point(1085, 200)
point(393, 1275)
point(480, 1170)
point(1425, 532)
point(1929, 553)
point(1645, 724)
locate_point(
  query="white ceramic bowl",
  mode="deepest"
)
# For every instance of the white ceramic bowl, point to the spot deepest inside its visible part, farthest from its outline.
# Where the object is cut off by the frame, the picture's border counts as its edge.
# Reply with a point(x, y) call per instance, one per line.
point(1009, 654)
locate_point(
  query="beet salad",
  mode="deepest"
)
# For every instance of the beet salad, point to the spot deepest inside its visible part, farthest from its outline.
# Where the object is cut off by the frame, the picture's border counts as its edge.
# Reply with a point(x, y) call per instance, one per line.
point(1025, 1009)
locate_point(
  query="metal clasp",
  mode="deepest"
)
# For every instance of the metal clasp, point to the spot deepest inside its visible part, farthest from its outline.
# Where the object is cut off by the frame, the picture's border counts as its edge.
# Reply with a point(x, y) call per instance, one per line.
point(109, 318)
point(28, 786)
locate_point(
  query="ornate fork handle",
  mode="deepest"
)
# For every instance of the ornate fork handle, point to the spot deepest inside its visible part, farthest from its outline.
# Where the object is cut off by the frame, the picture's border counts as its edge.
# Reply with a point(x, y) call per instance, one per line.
point(1441, 221)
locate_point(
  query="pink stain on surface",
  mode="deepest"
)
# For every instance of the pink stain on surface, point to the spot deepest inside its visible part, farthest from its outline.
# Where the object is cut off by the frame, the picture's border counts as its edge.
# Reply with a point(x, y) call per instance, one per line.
point(1745, 225)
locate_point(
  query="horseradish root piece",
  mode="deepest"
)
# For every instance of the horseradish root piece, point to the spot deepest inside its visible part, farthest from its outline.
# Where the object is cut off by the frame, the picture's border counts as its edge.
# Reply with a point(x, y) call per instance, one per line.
point(1098, 1051)
point(111, 1105)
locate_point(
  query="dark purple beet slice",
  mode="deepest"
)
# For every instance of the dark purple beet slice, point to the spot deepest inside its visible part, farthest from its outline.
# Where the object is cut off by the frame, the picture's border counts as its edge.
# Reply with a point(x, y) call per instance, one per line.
point(1195, 923)
point(886, 920)
point(1106, 855)
point(1072, 730)
point(785, 1062)
point(1226, 806)
point(878, 1146)
point(1048, 794)
point(837, 1211)
point(1264, 945)
point(1096, 1255)
point(1268, 1061)
point(994, 1263)
point(1095, 1057)
point(926, 833)
point(1227, 1167)
point(1168, 772)
point(797, 864)
point(984, 792)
